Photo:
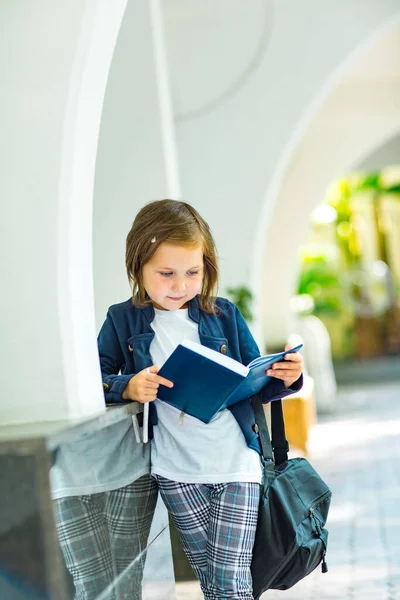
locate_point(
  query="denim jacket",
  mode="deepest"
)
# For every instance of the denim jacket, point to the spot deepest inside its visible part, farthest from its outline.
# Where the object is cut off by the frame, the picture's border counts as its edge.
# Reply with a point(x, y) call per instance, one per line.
point(124, 348)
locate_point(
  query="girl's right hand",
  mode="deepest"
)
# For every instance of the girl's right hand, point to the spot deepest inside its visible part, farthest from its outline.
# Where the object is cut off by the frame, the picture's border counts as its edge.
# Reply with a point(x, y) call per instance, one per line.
point(143, 387)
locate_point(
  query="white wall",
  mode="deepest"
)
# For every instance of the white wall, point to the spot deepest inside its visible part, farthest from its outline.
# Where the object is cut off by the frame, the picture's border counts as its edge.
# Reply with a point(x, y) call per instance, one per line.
point(235, 125)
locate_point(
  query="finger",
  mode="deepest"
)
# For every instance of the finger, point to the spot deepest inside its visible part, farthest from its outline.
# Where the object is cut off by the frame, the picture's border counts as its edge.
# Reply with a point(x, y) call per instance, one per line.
point(284, 365)
point(162, 381)
point(150, 384)
point(283, 374)
point(157, 378)
point(292, 367)
point(293, 356)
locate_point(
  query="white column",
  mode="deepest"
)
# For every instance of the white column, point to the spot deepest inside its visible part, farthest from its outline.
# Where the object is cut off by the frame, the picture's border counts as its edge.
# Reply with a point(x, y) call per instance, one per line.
point(54, 64)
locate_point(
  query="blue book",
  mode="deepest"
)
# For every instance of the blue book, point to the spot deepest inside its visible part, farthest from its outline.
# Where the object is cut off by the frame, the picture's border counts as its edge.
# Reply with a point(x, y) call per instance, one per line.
point(206, 381)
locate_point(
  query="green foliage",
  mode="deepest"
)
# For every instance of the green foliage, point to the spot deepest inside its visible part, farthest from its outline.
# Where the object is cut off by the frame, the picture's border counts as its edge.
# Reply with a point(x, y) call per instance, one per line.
point(367, 182)
point(242, 297)
point(320, 280)
point(331, 263)
point(394, 189)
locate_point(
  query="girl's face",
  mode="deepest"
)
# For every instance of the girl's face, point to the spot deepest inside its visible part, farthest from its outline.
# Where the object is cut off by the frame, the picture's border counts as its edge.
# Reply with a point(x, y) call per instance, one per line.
point(173, 276)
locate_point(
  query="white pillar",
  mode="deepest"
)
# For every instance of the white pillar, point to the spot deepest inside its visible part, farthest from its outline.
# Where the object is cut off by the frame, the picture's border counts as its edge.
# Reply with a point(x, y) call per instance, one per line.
point(54, 65)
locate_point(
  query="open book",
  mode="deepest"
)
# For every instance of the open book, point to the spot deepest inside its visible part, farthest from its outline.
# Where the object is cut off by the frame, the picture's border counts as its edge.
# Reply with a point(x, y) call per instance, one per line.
point(206, 381)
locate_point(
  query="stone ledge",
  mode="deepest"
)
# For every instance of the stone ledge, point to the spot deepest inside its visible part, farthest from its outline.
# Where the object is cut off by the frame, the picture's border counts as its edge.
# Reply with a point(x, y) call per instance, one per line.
point(57, 432)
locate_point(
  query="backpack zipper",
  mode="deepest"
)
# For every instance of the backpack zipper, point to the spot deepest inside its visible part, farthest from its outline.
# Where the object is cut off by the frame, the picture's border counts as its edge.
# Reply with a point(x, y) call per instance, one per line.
point(318, 530)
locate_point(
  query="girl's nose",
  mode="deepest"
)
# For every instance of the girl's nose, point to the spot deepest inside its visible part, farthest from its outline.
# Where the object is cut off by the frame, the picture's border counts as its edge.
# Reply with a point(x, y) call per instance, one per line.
point(179, 285)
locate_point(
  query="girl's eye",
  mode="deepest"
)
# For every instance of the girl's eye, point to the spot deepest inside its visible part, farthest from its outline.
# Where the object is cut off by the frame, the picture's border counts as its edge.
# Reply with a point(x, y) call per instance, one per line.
point(165, 273)
point(193, 272)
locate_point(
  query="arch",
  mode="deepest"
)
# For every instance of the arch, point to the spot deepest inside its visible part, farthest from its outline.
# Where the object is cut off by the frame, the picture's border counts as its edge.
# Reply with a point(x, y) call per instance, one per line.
point(284, 221)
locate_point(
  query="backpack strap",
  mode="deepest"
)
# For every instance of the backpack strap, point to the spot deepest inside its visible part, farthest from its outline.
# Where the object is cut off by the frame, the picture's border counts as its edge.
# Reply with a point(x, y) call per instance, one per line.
point(280, 444)
point(263, 433)
point(279, 448)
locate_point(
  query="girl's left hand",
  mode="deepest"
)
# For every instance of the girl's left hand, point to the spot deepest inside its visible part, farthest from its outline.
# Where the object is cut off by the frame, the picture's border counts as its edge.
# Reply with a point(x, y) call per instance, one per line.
point(288, 370)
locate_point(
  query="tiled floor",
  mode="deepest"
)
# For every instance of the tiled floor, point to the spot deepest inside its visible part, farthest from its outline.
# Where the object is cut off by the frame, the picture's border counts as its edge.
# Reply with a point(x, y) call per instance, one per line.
point(357, 452)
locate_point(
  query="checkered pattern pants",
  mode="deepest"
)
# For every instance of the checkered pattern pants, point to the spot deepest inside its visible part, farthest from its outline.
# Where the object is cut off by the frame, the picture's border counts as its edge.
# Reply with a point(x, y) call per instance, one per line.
point(217, 525)
point(103, 534)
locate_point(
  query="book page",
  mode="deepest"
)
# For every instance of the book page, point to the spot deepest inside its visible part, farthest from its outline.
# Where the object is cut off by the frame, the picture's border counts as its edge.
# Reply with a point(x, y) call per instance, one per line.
point(217, 357)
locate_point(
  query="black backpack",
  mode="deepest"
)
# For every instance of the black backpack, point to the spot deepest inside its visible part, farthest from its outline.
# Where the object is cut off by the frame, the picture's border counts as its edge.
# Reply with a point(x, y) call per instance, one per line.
point(291, 539)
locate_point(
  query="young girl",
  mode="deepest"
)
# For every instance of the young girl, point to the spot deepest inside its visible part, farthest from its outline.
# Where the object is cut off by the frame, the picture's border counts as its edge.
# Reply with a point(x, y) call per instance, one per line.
point(208, 475)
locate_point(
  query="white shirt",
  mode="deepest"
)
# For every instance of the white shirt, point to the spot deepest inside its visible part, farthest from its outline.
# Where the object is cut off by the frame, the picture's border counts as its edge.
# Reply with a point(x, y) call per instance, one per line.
point(195, 452)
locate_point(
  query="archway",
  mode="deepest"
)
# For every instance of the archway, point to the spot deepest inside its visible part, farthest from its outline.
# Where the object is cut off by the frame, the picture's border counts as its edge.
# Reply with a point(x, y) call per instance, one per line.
point(357, 111)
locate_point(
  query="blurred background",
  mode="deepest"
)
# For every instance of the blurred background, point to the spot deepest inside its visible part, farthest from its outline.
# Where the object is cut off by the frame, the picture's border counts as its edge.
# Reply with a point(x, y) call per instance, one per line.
point(279, 120)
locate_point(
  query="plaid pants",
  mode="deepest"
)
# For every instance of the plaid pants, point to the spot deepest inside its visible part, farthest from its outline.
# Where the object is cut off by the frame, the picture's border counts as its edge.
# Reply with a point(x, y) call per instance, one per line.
point(103, 534)
point(217, 525)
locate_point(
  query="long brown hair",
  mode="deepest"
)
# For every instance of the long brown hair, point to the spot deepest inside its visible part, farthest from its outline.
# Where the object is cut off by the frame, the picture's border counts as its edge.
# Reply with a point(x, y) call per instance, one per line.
point(172, 222)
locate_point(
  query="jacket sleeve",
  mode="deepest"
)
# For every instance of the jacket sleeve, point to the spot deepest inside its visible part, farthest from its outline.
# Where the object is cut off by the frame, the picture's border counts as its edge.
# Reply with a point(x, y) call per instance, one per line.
point(275, 388)
point(112, 361)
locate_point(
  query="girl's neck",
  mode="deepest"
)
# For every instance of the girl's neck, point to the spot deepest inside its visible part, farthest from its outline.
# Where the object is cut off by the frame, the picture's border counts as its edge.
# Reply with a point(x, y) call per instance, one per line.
point(157, 307)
